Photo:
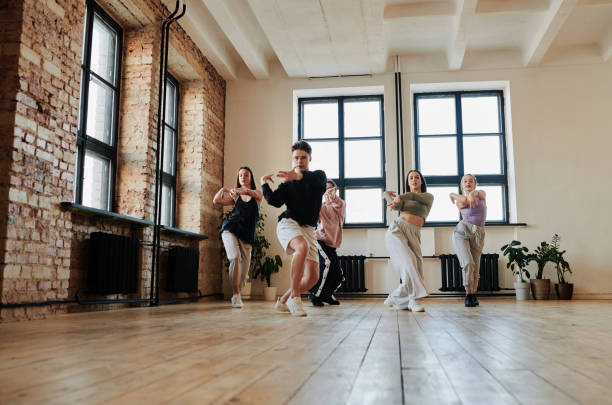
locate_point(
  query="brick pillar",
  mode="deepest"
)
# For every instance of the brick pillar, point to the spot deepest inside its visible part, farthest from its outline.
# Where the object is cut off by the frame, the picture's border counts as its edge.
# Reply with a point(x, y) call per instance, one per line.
point(10, 33)
point(42, 147)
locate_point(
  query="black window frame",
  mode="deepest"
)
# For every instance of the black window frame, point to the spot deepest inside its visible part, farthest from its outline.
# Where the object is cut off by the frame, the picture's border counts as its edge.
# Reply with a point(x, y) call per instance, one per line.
point(85, 142)
point(352, 183)
point(169, 179)
point(454, 180)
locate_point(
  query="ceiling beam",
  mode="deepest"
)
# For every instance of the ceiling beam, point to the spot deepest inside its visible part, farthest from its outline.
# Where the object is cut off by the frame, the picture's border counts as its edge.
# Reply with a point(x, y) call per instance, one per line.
point(421, 9)
point(232, 28)
point(550, 26)
point(271, 19)
point(201, 27)
point(465, 14)
point(511, 6)
point(606, 46)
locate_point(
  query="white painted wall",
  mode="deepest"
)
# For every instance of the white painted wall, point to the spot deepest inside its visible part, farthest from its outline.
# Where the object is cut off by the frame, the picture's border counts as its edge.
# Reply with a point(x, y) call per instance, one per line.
point(561, 141)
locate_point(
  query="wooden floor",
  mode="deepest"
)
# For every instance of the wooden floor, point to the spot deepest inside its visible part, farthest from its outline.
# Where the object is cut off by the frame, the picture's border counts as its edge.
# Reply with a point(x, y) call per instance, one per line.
point(504, 352)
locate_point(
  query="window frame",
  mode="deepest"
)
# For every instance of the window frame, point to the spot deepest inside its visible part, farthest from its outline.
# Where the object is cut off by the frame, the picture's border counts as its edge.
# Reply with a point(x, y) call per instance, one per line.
point(454, 180)
point(352, 183)
point(169, 179)
point(85, 142)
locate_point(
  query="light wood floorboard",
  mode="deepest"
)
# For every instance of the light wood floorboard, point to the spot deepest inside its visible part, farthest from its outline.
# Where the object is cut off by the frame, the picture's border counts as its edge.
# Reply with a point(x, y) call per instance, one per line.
point(503, 352)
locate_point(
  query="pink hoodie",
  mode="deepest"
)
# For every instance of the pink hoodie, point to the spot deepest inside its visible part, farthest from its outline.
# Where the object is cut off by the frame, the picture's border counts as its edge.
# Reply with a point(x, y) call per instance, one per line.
point(331, 217)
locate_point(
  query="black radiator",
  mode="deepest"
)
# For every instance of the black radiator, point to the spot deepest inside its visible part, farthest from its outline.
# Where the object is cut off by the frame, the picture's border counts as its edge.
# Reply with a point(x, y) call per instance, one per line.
point(182, 269)
point(452, 279)
point(354, 275)
point(112, 264)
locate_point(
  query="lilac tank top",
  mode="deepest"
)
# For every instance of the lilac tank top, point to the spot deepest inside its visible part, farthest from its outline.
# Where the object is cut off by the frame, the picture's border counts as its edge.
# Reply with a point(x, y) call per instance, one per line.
point(475, 216)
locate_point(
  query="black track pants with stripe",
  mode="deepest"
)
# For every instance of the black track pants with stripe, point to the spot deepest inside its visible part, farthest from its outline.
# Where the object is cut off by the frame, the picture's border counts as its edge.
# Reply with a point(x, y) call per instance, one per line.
point(330, 273)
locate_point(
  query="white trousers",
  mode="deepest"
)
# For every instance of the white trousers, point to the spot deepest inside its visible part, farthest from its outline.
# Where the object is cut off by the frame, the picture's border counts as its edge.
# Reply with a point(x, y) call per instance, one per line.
point(469, 241)
point(404, 247)
point(239, 255)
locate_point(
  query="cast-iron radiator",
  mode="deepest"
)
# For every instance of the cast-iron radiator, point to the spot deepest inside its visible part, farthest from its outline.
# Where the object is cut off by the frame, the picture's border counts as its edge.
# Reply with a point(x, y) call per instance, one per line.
point(182, 269)
point(112, 264)
point(452, 279)
point(354, 277)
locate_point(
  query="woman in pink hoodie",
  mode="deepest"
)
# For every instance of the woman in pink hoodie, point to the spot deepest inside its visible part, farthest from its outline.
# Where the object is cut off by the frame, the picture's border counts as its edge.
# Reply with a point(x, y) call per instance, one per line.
point(329, 238)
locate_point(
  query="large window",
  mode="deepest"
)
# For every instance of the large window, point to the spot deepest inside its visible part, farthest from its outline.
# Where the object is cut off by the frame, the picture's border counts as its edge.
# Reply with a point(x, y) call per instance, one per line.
point(97, 130)
point(459, 133)
point(170, 123)
point(347, 139)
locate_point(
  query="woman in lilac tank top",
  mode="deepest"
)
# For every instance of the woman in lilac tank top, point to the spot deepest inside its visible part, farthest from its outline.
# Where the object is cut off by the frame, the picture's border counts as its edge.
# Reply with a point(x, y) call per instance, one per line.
point(468, 236)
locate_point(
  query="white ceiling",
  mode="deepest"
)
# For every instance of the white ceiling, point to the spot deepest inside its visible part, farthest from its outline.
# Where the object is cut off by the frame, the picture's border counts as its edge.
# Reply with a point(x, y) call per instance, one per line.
point(312, 38)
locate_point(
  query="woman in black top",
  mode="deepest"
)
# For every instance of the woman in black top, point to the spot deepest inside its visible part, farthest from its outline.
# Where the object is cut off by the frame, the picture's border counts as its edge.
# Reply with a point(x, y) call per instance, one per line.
point(238, 231)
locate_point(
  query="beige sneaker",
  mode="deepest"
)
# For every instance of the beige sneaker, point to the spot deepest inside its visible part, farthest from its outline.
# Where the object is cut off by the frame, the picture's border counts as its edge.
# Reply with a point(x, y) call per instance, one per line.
point(416, 306)
point(295, 306)
point(280, 307)
point(237, 301)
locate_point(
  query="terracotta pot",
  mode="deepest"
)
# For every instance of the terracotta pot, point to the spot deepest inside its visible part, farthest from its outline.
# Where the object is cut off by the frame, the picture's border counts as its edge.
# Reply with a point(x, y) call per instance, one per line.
point(540, 288)
point(270, 293)
point(522, 291)
point(564, 290)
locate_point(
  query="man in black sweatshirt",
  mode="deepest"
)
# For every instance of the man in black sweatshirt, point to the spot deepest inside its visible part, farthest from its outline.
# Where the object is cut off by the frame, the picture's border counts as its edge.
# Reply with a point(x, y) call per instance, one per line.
point(301, 192)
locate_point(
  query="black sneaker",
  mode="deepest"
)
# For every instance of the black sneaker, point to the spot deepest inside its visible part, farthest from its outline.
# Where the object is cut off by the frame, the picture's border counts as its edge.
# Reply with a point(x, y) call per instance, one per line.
point(316, 301)
point(331, 300)
point(475, 300)
point(469, 301)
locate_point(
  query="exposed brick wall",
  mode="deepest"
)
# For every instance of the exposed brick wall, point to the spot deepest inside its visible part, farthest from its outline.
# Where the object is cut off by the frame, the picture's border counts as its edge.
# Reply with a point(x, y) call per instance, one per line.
point(42, 246)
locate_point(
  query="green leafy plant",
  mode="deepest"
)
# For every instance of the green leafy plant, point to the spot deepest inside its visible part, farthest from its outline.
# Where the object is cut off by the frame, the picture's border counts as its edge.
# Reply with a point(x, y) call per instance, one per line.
point(542, 254)
point(518, 259)
point(556, 257)
point(262, 266)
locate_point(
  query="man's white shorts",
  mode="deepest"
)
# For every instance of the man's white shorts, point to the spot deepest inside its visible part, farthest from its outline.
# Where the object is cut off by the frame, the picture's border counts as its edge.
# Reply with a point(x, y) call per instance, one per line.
point(288, 229)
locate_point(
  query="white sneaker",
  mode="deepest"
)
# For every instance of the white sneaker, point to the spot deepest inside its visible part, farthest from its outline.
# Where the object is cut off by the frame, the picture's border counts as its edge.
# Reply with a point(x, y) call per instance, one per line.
point(416, 306)
point(237, 301)
point(295, 306)
point(281, 307)
point(389, 302)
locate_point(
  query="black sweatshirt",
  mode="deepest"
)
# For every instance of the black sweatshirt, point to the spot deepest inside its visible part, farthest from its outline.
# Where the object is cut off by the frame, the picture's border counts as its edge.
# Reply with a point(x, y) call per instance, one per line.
point(302, 197)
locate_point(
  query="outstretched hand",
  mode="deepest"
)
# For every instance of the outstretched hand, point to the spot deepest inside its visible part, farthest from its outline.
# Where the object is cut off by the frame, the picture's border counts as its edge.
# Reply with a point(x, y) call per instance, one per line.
point(289, 175)
point(267, 177)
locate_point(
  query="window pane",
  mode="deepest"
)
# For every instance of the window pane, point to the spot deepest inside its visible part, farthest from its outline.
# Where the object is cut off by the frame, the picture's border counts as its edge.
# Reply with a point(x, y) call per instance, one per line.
point(170, 106)
point(438, 156)
point(166, 205)
point(361, 118)
point(363, 205)
point(481, 154)
point(103, 49)
point(325, 157)
point(362, 159)
point(495, 206)
point(96, 180)
point(320, 120)
point(436, 116)
point(480, 115)
point(443, 209)
point(168, 151)
point(100, 111)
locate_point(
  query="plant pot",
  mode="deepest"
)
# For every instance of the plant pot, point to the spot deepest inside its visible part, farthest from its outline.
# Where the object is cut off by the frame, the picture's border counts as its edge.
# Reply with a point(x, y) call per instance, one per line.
point(246, 291)
point(270, 293)
point(540, 288)
point(522, 291)
point(564, 290)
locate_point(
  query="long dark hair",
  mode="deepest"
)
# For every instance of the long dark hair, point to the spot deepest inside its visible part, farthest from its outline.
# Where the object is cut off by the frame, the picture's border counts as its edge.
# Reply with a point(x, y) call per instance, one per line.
point(253, 186)
point(423, 182)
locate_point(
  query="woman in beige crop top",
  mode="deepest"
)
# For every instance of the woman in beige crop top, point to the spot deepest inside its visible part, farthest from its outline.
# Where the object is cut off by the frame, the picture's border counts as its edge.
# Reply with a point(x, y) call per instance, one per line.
point(403, 240)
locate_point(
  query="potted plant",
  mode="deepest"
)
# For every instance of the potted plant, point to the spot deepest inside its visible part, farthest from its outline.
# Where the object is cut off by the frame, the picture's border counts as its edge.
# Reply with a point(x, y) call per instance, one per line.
point(518, 258)
point(540, 287)
point(563, 289)
point(262, 265)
